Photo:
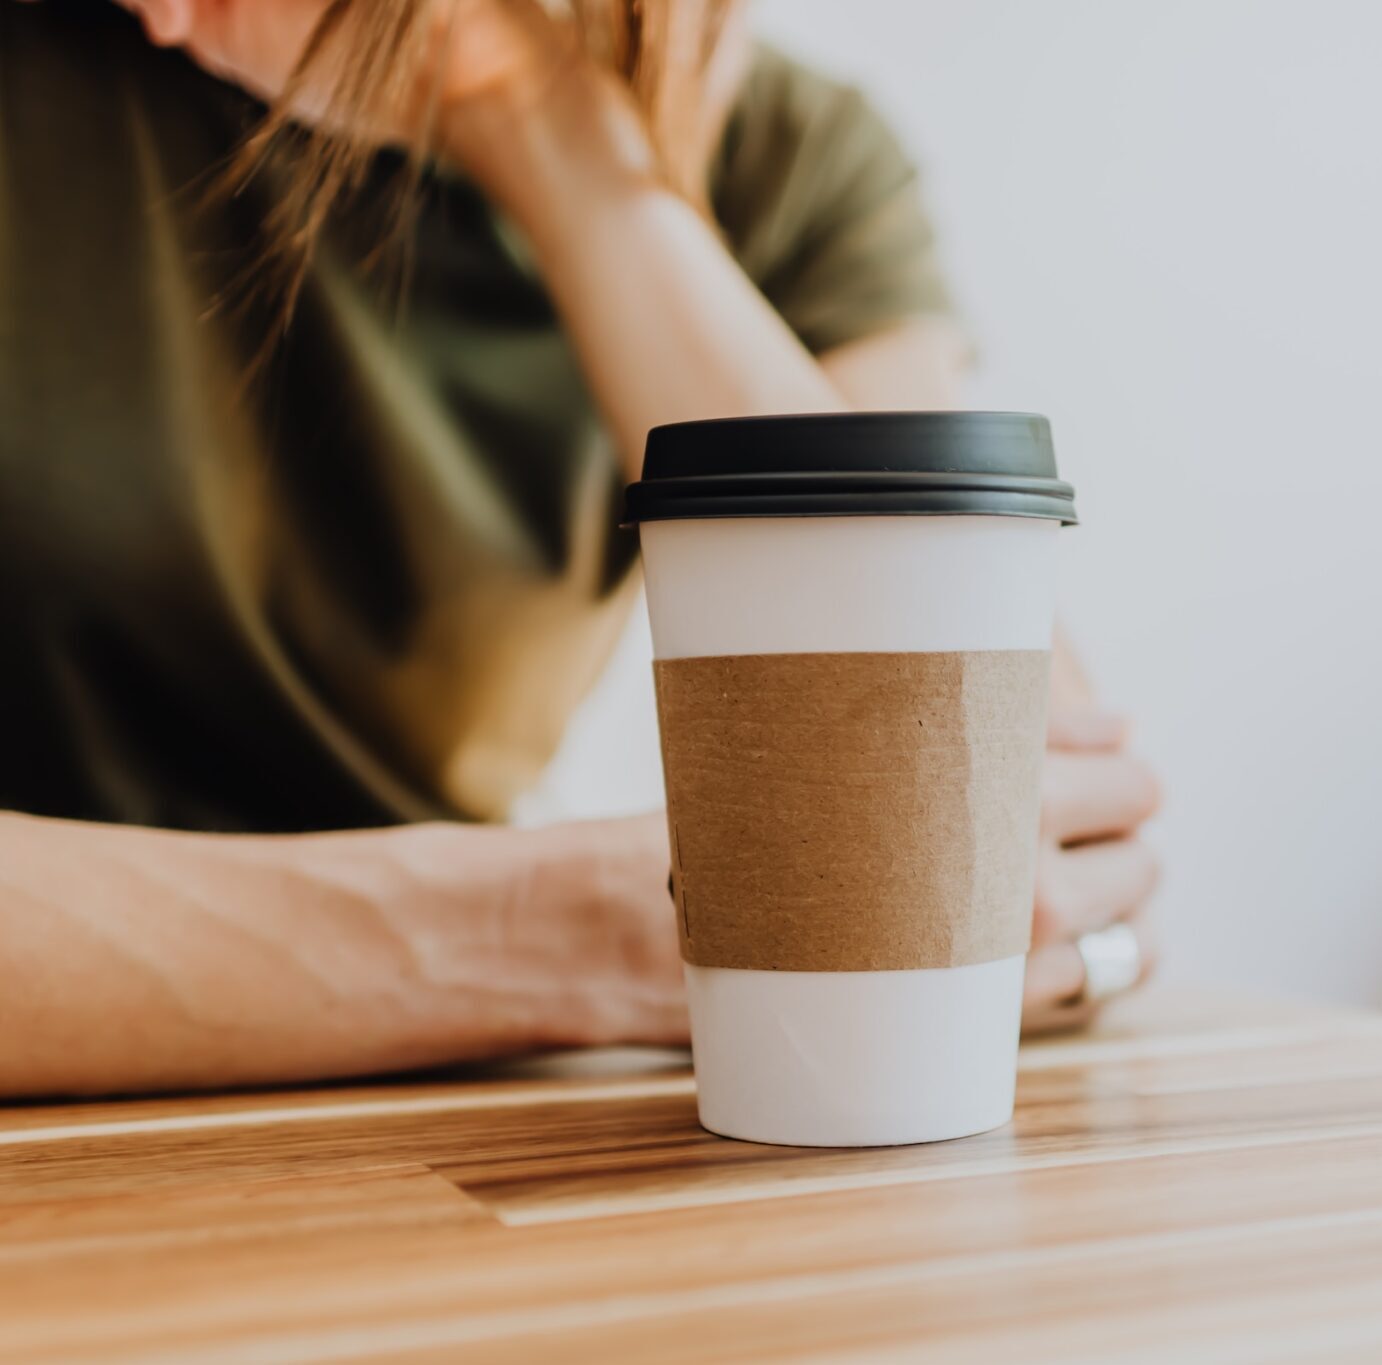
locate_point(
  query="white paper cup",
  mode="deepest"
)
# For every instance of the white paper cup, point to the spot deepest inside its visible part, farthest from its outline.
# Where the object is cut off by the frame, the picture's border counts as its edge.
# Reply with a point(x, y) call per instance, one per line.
point(853, 1058)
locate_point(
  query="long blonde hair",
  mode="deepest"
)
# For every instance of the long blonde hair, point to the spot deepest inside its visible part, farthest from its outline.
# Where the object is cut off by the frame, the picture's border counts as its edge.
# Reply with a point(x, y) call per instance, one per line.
point(363, 53)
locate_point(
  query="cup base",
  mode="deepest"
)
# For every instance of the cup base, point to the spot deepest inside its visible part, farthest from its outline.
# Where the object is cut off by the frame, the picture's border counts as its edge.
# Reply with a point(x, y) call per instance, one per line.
point(856, 1059)
point(917, 1139)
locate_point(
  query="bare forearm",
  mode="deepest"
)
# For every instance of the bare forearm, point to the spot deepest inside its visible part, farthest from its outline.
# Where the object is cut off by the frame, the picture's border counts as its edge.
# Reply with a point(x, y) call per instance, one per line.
point(139, 959)
point(670, 329)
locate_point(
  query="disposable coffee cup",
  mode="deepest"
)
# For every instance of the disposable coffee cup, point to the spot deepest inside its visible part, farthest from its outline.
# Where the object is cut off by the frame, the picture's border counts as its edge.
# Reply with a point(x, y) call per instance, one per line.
point(851, 619)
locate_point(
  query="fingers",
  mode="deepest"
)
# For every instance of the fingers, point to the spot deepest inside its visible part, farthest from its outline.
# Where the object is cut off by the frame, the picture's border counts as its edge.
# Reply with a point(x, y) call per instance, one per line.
point(1095, 795)
point(1055, 977)
point(1055, 973)
point(1079, 890)
point(1085, 728)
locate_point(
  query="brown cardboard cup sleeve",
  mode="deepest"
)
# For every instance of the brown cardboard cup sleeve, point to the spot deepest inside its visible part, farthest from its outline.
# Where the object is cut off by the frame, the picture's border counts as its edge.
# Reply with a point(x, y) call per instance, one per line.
point(853, 812)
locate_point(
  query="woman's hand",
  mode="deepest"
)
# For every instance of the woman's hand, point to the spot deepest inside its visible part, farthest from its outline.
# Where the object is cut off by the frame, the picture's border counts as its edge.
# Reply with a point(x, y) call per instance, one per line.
point(1092, 869)
point(465, 59)
point(461, 51)
point(472, 77)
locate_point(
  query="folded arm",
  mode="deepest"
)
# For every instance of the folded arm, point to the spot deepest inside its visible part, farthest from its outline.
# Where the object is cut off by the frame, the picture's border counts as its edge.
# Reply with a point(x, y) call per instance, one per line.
point(140, 959)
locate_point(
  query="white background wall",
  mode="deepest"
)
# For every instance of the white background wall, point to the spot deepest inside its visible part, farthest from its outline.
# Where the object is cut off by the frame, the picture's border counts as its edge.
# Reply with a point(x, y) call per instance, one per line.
point(1164, 222)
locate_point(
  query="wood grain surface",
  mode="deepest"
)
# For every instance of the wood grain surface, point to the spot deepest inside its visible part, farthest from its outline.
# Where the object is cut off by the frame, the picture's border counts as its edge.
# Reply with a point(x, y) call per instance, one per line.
point(1198, 1179)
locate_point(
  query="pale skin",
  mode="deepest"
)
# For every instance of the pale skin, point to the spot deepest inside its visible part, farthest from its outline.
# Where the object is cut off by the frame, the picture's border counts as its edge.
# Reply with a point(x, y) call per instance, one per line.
point(140, 959)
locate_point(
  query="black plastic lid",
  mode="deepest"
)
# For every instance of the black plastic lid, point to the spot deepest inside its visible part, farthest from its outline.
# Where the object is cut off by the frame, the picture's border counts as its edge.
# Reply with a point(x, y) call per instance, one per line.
point(853, 464)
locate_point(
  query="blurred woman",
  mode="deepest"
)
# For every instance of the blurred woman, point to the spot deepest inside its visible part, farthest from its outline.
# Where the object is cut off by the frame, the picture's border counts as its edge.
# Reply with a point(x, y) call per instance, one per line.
point(293, 612)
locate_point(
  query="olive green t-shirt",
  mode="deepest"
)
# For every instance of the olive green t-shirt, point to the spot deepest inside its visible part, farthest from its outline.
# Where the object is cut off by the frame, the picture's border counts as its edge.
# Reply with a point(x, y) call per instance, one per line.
point(370, 584)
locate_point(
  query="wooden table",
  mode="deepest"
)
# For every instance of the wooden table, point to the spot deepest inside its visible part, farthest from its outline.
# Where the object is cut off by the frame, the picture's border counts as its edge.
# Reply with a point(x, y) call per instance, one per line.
point(1195, 1181)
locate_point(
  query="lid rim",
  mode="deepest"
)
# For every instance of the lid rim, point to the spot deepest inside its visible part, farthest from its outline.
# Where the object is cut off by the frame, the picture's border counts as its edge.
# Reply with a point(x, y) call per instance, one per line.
point(863, 505)
point(852, 464)
point(788, 514)
point(795, 483)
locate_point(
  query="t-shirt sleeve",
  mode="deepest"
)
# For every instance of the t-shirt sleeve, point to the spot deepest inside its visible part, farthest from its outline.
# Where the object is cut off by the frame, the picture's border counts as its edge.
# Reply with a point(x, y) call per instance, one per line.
point(823, 209)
